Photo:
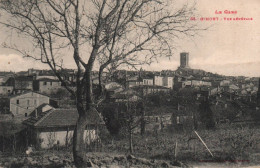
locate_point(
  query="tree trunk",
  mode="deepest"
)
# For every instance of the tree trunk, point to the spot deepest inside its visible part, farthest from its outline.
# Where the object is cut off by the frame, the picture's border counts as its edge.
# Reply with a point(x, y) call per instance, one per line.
point(67, 137)
point(3, 143)
point(78, 142)
point(142, 123)
point(131, 150)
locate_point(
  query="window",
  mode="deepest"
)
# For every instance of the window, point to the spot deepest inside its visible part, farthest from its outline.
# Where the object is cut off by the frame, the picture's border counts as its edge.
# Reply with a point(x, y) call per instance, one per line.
point(51, 83)
point(178, 120)
point(44, 83)
point(25, 114)
point(17, 101)
point(28, 102)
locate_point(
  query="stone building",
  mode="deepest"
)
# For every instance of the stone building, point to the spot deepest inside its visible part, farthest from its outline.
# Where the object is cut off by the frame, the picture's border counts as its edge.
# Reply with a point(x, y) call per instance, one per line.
point(184, 60)
point(46, 85)
point(23, 104)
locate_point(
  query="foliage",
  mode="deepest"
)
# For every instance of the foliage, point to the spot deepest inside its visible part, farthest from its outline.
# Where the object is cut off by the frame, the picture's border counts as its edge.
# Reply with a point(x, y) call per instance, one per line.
point(239, 142)
point(206, 115)
point(110, 115)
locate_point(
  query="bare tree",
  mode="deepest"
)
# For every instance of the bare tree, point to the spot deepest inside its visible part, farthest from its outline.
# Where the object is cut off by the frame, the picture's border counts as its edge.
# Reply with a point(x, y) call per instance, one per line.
point(114, 32)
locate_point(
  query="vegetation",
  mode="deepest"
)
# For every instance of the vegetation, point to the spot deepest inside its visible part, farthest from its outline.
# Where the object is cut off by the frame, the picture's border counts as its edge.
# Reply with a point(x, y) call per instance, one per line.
point(229, 143)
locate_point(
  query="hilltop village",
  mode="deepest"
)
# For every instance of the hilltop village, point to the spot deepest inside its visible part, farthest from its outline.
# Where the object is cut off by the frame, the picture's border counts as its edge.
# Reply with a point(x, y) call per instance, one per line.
point(37, 107)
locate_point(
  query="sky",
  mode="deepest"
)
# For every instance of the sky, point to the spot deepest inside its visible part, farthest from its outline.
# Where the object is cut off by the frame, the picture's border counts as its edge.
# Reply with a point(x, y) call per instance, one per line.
point(228, 47)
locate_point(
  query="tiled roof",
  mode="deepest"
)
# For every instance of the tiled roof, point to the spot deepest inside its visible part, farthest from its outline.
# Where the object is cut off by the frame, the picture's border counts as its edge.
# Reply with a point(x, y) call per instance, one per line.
point(61, 118)
point(48, 80)
point(28, 91)
point(150, 87)
point(24, 78)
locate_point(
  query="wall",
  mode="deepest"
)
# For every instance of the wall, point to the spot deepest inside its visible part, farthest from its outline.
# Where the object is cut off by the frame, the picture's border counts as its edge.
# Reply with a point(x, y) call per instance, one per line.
point(168, 82)
point(158, 80)
point(46, 76)
point(5, 90)
point(20, 84)
point(27, 103)
point(49, 86)
point(49, 139)
point(147, 81)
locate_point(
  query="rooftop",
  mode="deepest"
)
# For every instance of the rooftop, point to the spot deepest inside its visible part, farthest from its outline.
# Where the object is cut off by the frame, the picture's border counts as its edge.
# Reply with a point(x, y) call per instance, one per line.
point(56, 118)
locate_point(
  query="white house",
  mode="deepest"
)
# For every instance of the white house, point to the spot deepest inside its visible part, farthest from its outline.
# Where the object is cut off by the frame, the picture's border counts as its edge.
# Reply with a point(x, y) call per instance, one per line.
point(158, 80)
point(56, 126)
point(23, 104)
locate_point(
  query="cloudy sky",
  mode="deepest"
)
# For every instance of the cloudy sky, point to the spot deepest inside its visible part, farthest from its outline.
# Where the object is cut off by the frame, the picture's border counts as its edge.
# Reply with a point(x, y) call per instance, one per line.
point(229, 47)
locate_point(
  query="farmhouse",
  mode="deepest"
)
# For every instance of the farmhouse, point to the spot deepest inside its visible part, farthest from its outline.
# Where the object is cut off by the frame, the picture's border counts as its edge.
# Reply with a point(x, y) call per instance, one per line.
point(46, 129)
point(23, 104)
point(46, 85)
point(20, 83)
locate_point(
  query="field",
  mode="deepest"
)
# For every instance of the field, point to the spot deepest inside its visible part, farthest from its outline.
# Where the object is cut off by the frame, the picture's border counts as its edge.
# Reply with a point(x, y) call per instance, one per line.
point(231, 146)
point(228, 143)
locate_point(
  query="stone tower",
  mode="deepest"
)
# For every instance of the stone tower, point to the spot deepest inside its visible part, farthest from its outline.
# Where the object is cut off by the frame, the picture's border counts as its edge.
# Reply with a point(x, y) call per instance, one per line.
point(184, 60)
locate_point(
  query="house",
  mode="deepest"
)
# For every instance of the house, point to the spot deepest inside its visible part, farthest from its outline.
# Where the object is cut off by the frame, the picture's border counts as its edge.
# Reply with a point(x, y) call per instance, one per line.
point(20, 83)
point(46, 85)
point(145, 90)
point(6, 90)
point(133, 82)
point(168, 81)
point(158, 80)
point(56, 127)
point(146, 80)
point(23, 104)
point(124, 96)
point(225, 82)
point(4, 76)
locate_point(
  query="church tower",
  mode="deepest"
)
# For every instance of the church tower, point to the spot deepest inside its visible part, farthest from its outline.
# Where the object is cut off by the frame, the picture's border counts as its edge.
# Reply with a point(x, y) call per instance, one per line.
point(184, 60)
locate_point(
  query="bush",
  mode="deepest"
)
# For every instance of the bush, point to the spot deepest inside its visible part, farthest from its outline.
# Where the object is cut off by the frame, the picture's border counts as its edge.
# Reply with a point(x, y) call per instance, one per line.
point(239, 142)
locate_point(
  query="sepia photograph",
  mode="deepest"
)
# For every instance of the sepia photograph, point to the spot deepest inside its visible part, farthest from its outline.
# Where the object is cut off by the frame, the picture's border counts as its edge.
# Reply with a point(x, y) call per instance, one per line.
point(129, 84)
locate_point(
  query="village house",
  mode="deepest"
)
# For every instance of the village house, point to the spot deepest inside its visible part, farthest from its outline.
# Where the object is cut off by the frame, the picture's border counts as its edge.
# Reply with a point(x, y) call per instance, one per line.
point(149, 89)
point(46, 85)
point(146, 80)
point(168, 82)
point(225, 82)
point(133, 82)
point(46, 129)
point(4, 76)
point(158, 80)
point(124, 96)
point(20, 83)
point(21, 105)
